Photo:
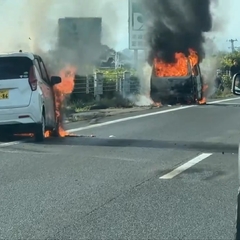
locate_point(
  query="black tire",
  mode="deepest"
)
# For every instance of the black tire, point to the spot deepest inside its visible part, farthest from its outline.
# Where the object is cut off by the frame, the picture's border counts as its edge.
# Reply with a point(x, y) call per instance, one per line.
point(39, 134)
point(6, 136)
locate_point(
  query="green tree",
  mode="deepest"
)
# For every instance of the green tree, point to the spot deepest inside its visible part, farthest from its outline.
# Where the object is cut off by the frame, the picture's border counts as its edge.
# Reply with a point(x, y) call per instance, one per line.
point(226, 60)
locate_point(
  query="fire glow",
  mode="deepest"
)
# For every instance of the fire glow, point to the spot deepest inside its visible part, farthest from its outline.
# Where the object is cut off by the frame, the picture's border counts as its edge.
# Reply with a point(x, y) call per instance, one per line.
point(62, 89)
point(178, 68)
point(204, 99)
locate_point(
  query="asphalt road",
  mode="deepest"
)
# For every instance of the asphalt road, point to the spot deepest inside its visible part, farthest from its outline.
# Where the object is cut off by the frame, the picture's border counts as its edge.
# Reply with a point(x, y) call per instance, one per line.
point(169, 173)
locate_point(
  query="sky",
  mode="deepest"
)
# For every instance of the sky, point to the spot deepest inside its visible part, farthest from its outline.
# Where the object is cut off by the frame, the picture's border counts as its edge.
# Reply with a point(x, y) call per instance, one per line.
point(37, 19)
point(227, 21)
point(33, 23)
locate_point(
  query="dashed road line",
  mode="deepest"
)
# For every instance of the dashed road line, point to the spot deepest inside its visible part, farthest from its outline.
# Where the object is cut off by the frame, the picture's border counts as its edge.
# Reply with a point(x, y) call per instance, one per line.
point(186, 166)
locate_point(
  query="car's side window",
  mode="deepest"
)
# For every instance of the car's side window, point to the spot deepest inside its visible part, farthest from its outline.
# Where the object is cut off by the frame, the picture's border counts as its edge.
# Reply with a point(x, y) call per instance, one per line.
point(44, 72)
point(36, 63)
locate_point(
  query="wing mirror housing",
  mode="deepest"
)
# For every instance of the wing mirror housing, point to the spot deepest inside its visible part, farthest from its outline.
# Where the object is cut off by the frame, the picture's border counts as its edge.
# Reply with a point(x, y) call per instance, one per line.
point(55, 80)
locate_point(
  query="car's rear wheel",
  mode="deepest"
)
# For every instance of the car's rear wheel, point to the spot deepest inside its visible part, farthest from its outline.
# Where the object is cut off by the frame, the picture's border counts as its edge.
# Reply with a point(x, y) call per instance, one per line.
point(39, 134)
point(5, 135)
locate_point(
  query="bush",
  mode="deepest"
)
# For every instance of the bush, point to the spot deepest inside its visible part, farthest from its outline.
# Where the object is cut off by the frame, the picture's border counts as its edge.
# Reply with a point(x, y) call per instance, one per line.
point(111, 77)
point(111, 84)
point(117, 101)
point(226, 59)
point(110, 71)
point(227, 81)
point(224, 62)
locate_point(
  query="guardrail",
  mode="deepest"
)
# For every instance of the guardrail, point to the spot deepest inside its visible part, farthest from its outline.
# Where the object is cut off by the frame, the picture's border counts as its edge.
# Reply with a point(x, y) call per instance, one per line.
point(99, 86)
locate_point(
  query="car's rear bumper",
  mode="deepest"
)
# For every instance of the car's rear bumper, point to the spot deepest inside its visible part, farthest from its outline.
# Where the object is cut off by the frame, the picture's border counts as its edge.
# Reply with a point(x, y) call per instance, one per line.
point(15, 116)
point(17, 128)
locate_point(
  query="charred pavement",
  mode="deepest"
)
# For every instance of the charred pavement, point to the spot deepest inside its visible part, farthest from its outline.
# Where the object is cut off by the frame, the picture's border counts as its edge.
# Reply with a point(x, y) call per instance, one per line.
point(123, 183)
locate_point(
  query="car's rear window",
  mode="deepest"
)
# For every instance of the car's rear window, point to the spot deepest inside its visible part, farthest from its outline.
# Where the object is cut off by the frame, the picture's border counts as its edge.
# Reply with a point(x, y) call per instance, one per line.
point(14, 67)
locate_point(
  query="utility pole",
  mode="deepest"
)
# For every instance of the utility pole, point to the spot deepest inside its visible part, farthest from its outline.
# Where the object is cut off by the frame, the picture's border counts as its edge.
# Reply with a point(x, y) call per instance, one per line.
point(232, 44)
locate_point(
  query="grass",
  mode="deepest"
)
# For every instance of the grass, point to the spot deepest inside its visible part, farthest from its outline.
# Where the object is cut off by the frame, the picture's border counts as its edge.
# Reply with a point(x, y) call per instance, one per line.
point(222, 94)
point(104, 103)
point(119, 102)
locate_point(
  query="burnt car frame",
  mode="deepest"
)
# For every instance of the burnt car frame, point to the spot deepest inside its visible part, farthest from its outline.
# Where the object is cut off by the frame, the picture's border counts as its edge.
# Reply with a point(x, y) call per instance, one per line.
point(187, 88)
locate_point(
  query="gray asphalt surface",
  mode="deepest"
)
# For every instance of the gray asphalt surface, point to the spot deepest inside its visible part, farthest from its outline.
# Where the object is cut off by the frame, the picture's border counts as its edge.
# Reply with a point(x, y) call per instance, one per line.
point(108, 186)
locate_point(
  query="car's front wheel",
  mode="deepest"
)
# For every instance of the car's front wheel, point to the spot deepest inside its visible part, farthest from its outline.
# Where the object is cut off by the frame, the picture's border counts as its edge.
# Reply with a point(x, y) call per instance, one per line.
point(40, 130)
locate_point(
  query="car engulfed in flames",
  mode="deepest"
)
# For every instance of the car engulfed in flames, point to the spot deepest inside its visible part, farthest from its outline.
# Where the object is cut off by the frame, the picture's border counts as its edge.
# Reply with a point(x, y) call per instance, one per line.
point(180, 81)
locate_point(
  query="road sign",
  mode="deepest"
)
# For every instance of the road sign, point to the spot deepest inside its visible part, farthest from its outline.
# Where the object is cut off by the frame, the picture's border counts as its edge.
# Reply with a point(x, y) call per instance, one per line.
point(136, 25)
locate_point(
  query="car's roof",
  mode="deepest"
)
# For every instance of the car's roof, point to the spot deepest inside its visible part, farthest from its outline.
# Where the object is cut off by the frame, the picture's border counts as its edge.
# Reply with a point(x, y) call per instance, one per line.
point(17, 54)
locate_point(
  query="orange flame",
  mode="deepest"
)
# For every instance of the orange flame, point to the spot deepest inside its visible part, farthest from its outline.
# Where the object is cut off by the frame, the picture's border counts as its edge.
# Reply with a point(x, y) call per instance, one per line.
point(47, 134)
point(204, 99)
point(157, 104)
point(178, 68)
point(62, 89)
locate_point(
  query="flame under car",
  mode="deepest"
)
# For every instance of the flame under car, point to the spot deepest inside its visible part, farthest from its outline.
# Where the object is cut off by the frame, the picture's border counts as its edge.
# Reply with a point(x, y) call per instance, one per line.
point(184, 87)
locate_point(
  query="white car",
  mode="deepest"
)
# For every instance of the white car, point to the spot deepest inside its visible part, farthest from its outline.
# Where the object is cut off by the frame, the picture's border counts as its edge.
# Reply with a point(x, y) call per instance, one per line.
point(26, 96)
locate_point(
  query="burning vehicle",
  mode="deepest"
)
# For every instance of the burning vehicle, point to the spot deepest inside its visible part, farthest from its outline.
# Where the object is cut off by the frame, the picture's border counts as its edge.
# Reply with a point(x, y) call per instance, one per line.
point(175, 35)
point(179, 81)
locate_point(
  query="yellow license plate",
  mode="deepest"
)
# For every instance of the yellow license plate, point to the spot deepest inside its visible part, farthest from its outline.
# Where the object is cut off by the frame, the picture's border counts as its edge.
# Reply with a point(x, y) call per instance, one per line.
point(4, 94)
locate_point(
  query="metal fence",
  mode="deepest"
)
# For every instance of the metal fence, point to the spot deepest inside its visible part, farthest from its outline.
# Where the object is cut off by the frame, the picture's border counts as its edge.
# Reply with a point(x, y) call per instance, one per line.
point(99, 86)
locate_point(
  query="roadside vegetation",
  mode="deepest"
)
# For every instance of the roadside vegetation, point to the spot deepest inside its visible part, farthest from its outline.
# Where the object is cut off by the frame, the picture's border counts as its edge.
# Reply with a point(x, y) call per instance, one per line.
point(224, 62)
point(81, 101)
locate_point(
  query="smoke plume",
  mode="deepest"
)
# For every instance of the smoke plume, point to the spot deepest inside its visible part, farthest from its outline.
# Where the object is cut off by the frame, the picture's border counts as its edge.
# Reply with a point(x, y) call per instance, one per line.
point(175, 26)
point(32, 25)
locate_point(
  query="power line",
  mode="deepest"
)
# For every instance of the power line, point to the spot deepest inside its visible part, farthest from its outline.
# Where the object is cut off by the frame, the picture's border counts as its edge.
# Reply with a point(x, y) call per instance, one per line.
point(232, 43)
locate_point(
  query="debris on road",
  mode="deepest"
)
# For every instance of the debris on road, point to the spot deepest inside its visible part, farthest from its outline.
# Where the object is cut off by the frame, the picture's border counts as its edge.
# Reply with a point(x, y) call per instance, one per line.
point(75, 135)
point(94, 121)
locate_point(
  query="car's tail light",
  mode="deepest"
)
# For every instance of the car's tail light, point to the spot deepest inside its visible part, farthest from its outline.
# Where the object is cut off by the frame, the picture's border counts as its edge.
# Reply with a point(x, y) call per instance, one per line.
point(32, 79)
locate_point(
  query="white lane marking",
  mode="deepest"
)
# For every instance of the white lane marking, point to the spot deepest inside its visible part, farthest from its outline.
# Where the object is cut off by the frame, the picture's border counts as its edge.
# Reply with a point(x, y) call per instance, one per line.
point(6, 144)
point(224, 100)
point(127, 119)
point(239, 163)
point(142, 116)
point(228, 103)
point(124, 119)
point(185, 166)
point(117, 158)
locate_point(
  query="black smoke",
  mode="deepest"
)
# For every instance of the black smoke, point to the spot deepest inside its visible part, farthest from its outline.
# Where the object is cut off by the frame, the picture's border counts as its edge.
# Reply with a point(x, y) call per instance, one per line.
point(175, 26)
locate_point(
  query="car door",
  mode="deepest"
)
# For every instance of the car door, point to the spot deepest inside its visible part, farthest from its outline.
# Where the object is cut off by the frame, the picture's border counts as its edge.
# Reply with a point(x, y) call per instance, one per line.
point(51, 96)
point(48, 94)
point(198, 82)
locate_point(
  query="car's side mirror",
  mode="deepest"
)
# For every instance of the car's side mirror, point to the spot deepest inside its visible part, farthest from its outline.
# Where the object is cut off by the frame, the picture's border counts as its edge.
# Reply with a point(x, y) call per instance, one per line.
point(55, 80)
